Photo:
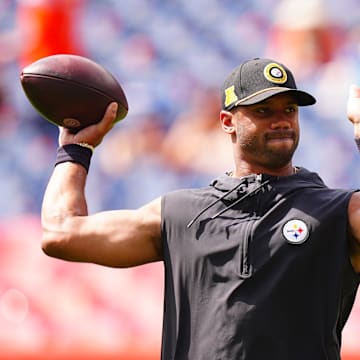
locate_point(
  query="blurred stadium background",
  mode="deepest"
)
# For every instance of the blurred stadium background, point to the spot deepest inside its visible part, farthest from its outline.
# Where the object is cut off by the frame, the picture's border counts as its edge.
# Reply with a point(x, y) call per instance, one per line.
point(171, 58)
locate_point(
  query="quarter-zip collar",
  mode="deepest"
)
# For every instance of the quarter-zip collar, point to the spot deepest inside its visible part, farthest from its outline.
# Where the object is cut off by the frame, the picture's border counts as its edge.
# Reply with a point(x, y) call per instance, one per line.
point(235, 190)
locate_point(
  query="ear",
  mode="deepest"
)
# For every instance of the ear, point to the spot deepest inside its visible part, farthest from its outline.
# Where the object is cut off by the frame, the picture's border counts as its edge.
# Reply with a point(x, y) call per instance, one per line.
point(226, 120)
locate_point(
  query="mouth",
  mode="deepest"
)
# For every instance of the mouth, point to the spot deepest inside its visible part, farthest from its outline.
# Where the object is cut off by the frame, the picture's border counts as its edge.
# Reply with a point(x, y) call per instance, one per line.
point(280, 136)
point(281, 139)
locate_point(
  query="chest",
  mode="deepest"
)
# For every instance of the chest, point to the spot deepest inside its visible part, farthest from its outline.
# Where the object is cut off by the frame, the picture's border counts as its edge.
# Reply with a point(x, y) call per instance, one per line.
point(292, 234)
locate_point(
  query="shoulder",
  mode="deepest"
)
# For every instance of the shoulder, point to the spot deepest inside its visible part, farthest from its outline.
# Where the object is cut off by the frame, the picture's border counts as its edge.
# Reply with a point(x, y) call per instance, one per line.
point(354, 200)
point(311, 184)
point(151, 211)
point(180, 206)
point(354, 212)
point(185, 195)
point(354, 230)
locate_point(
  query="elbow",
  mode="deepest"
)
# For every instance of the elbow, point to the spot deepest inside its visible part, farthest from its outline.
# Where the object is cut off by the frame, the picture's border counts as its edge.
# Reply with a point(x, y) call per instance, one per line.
point(61, 238)
point(53, 245)
point(47, 246)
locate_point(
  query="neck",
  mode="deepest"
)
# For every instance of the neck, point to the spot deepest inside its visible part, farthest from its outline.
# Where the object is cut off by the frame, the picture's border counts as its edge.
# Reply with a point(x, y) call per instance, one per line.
point(241, 171)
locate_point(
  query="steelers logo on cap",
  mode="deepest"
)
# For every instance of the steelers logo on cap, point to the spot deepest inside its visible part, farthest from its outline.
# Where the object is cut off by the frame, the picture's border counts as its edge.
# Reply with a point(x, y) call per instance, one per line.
point(275, 73)
point(295, 231)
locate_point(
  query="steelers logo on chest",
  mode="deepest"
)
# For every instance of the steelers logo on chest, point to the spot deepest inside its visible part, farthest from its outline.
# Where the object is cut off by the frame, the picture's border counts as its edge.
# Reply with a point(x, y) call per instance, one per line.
point(295, 231)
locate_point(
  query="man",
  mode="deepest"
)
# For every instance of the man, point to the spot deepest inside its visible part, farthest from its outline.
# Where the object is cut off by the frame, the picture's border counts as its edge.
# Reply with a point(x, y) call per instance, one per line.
point(261, 264)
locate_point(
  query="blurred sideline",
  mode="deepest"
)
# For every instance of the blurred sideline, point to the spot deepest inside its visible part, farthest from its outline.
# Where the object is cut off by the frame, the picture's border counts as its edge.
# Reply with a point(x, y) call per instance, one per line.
point(53, 310)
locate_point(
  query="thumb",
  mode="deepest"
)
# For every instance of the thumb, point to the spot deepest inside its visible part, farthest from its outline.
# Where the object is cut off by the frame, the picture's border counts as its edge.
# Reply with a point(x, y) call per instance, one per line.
point(109, 118)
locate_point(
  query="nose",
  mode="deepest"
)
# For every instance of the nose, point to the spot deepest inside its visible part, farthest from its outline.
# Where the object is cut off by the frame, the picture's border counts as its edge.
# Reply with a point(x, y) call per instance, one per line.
point(281, 123)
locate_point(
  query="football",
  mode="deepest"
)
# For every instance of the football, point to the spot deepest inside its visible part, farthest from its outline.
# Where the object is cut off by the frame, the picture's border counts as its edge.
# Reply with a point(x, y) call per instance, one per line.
point(71, 90)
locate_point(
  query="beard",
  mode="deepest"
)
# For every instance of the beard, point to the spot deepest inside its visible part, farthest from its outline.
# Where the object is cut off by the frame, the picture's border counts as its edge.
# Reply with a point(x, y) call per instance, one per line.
point(264, 152)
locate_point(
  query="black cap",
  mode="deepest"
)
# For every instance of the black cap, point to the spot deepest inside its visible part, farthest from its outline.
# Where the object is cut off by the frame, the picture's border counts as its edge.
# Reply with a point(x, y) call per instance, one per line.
point(256, 80)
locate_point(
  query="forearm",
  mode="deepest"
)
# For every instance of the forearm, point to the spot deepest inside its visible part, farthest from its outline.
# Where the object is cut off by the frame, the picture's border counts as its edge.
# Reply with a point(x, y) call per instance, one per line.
point(65, 194)
point(64, 198)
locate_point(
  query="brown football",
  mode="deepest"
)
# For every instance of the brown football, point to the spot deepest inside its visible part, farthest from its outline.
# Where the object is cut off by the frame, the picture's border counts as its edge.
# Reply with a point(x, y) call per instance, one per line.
point(72, 91)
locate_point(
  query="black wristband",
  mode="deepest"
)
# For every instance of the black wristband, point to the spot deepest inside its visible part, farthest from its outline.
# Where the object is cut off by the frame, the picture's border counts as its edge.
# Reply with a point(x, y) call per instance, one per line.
point(74, 153)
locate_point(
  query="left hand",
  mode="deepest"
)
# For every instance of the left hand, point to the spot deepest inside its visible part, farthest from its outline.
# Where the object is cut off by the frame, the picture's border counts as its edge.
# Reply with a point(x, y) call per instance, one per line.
point(353, 108)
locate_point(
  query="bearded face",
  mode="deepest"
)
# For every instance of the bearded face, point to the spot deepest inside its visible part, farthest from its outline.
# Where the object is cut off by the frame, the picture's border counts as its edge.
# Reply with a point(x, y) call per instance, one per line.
point(267, 133)
point(274, 149)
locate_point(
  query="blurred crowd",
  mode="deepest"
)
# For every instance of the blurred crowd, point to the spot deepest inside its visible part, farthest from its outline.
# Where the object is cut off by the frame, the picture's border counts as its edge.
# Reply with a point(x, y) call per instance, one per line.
point(170, 58)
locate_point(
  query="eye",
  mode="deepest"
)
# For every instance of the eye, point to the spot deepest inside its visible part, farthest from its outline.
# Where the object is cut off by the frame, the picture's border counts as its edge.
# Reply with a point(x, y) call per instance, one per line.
point(292, 108)
point(261, 110)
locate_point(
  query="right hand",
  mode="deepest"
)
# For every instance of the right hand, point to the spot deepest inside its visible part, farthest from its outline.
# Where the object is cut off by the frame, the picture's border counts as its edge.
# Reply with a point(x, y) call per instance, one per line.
point(353, 109)
point(92, 134)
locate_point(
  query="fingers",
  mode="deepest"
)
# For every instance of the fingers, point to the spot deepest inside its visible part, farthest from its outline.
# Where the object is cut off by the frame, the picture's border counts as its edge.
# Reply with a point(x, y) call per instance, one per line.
point(353, 108)
point(65, 136)
point(92, 134)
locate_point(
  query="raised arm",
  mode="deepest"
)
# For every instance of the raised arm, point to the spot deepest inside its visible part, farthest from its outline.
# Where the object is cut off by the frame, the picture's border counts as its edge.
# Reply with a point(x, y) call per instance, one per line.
point(353, 112)
point(120, 238)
